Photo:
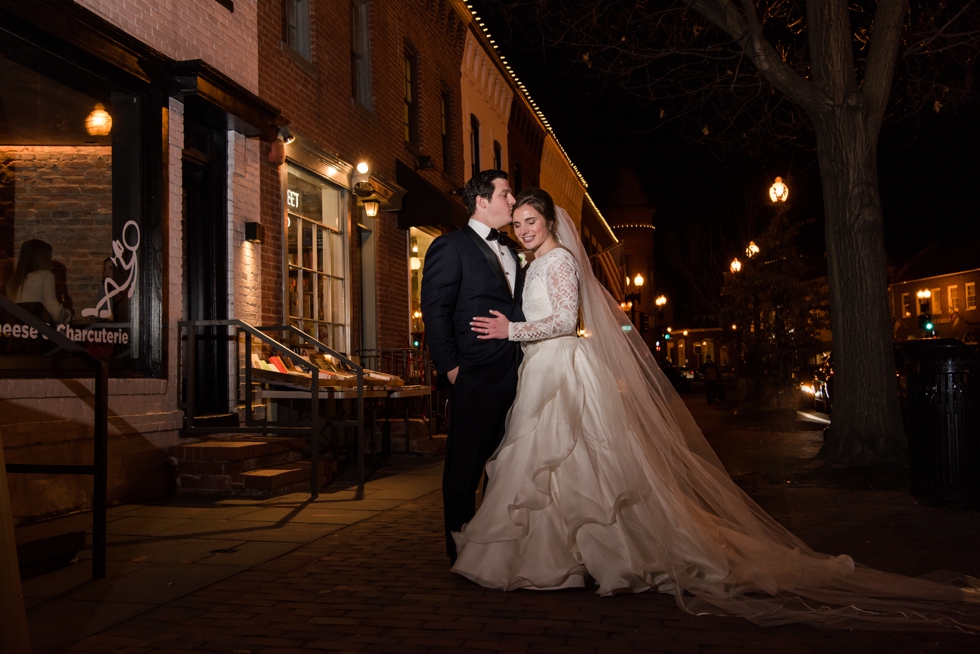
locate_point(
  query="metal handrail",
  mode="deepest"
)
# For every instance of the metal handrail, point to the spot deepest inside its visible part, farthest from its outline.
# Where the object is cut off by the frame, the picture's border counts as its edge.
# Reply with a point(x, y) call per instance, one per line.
point(283, 349)
point(100, 465)
point(290, 329)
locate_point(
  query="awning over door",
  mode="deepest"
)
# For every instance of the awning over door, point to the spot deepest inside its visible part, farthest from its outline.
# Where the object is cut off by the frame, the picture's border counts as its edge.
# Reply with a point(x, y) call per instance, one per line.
point(424, 205)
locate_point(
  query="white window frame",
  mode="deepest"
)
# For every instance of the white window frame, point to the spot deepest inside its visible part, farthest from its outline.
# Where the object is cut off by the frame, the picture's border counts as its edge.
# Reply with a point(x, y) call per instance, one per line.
point(290, 220)
point(937, 302)
point(953, 298)
point(970, 293)
point(906, 305)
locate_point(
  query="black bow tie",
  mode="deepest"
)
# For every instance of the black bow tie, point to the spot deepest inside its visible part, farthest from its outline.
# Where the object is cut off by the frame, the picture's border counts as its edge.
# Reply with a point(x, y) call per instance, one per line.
point(494, 235)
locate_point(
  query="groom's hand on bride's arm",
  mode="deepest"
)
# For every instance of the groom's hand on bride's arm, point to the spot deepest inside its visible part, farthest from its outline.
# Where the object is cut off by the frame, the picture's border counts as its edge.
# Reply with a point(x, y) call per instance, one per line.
point(488, 328)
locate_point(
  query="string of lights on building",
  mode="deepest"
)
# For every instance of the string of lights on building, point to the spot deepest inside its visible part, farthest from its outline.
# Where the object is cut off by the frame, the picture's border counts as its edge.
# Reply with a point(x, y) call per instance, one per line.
point(527, 95)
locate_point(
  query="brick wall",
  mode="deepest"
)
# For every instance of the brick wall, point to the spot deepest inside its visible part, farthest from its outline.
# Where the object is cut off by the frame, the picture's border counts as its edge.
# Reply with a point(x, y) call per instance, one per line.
point(317, 101)
point(62, 195)
point(192, 29)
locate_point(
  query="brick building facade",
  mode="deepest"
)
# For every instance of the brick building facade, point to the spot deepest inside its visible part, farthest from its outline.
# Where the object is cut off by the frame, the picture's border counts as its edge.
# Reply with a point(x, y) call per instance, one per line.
point(226, 115)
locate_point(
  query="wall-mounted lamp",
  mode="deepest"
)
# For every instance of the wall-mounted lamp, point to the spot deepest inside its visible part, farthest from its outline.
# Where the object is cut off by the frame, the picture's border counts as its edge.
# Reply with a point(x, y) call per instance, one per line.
point(424, 161)
point(99, 122)
point(371, 208)
point(416, 263)
point(361, 180)
point(254, 232)
point(284, 134)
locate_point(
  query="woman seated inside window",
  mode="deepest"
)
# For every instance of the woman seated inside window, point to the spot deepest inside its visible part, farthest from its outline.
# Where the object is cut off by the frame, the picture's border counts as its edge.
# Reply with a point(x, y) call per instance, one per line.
point(33, 281)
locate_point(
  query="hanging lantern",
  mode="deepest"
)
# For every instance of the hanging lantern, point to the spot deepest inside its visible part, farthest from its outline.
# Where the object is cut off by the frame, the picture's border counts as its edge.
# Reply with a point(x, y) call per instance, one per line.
point(99, 122)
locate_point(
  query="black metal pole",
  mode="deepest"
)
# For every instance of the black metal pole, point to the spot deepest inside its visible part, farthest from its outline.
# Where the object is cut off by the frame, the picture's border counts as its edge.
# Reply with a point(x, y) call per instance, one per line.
point(360, 434)
point(249, 418)
point(100, 480)
point(314, 433)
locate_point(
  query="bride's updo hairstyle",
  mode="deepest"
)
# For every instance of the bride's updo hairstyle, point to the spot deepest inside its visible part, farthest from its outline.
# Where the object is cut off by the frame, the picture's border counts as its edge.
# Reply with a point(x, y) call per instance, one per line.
point(539, 200)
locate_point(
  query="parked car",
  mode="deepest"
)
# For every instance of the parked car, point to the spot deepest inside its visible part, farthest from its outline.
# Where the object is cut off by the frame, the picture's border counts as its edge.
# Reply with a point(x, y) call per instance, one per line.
point(822, 384)
point(678, 379)
point(688, 373)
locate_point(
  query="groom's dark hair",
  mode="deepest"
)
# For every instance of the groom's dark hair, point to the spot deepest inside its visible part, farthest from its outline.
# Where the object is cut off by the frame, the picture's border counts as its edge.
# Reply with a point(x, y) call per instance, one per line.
point(480, 186)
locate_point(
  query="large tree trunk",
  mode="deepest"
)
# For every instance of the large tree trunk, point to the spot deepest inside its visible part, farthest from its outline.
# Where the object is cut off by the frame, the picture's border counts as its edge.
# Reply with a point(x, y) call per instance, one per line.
point(866, 422)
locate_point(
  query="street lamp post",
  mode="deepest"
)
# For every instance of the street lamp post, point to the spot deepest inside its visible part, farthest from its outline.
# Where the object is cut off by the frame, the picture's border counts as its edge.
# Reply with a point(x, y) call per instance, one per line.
point(633, 299)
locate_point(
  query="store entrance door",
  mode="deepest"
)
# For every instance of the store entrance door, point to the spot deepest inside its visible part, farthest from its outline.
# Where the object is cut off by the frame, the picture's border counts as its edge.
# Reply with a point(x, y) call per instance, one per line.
point(205, 223)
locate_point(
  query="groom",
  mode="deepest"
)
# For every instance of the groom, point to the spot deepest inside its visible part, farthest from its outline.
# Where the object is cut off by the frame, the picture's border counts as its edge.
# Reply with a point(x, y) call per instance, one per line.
point(467, 273)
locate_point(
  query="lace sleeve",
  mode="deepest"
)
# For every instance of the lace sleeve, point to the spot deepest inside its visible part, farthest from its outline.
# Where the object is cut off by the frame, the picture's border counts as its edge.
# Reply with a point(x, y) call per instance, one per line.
point(561, 279)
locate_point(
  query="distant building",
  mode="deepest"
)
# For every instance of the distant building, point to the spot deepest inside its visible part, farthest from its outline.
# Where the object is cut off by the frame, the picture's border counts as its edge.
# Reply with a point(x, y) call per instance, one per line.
point(630, 214)
point(951, 274)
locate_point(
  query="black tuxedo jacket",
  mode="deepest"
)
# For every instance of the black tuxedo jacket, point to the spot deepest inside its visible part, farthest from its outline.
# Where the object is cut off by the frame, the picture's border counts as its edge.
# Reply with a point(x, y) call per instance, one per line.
point(462, 279)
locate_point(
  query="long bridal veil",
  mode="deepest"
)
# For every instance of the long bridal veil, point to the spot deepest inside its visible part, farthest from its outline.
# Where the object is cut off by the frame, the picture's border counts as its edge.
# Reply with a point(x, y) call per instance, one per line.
point(708, 543)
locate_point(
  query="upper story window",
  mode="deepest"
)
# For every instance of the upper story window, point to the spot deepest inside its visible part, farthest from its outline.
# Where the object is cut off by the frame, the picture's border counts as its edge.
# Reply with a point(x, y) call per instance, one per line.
point(498, 156)
point(446, 107)
point(971, 295)
point(906, 305)
point(411, 117)
point(296, 27)
point(937, 303)
point(360, 53)
point(474, 144)
point(954, 298)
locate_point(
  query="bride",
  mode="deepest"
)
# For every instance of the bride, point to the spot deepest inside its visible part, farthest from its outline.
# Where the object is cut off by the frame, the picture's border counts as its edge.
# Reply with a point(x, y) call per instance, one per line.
point(603, 475)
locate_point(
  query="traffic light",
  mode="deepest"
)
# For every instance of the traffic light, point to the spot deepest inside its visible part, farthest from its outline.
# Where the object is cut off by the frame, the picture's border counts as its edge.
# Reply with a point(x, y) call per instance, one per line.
point(666, 336)
point(926, 324)
point(644, 323)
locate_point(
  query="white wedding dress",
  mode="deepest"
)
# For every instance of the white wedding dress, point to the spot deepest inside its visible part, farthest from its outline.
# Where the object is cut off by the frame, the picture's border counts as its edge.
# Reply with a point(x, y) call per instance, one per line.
point(603, 474)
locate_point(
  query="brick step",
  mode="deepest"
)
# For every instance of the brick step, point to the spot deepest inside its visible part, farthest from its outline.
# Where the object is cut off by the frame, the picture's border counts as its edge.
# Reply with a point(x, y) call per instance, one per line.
point(261, 482)
point(194, 467)
point(237, 448)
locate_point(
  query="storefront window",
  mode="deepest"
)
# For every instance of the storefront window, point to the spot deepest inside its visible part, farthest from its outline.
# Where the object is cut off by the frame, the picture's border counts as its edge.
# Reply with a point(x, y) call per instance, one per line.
point(420, 241)
point(317, 258)
point(73, 243)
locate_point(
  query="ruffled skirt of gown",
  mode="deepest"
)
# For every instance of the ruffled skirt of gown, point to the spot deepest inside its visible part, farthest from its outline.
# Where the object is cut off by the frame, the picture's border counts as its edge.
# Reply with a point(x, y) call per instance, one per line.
point(574, 493)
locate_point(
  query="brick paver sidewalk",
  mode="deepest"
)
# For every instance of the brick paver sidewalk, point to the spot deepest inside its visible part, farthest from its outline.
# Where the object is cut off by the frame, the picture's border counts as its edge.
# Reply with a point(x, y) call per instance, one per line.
point(382, 585)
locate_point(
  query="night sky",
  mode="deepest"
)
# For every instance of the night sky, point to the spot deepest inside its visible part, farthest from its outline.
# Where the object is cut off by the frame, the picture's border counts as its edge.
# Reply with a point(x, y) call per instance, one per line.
point(927, 171)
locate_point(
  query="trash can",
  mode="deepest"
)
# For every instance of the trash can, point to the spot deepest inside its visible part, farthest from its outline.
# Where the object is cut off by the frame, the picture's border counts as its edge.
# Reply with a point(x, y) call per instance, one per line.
point(942, 420)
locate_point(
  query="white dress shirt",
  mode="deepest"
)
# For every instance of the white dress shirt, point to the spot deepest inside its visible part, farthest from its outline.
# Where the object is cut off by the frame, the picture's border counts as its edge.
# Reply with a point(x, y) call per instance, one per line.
point(503, 252)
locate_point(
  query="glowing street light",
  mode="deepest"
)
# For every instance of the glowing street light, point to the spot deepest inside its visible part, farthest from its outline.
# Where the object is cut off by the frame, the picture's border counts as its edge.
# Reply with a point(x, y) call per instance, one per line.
point(661, 301)
point(751, 250)
point(778, 192)
point(924, 294)
point(736, 265)
point(638, 280)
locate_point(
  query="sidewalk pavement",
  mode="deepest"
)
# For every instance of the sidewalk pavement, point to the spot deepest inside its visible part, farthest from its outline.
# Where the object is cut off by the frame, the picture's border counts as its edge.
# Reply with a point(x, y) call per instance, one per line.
point(286, 575)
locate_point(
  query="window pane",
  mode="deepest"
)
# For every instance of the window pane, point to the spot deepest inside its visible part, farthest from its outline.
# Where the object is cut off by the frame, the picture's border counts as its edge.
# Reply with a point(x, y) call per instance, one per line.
point(323, 290)
point(339, 340)
point(293, 293)
point(322, 252)
point(337, 255)
point(307, 245)
point(330, 203)
point(337, 291)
